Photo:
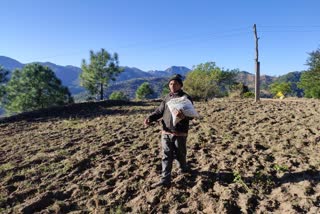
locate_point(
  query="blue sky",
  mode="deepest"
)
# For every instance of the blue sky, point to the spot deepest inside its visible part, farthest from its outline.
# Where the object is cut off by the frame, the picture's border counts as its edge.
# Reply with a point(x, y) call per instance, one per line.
point(154, 34)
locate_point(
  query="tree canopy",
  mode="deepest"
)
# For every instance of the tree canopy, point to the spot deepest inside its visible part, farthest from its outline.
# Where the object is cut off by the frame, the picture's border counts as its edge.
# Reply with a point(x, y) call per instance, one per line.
point(144, 91)
point(96, 75)
point(310, 79)
point(3, 79)
point(118, 95)
point(279, 89)
point(34, 87)
point(207, 80)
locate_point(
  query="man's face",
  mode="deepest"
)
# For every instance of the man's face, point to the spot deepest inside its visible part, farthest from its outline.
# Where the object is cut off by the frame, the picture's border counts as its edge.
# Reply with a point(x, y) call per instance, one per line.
point(174, 86)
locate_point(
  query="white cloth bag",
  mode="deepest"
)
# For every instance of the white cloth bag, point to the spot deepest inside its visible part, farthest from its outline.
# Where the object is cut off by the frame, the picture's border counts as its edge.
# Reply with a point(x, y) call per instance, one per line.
point(183, 104)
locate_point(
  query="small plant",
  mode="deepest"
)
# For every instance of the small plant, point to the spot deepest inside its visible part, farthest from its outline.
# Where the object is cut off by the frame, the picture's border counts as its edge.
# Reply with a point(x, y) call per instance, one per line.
point(264, 181)
point(6, 166)
point(73, 124)
point(280, 168)
point(238, 179)
point(117, 210)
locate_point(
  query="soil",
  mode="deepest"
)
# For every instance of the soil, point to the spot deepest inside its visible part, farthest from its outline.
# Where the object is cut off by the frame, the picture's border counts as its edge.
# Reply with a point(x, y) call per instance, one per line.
point(244, 157)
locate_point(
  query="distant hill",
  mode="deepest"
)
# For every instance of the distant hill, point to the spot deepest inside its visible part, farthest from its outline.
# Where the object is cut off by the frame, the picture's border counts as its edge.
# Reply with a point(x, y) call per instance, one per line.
point(10, 64)
point(132, 73)
point(170, 71)
point(69, 75)
point(249, 79)
point(129, 87)
point(131, 78)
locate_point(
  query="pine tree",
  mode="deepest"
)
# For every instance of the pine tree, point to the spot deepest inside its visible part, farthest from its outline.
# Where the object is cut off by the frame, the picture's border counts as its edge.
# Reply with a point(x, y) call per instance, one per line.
point(118, 95)
point(310, 79)
point(3, 79)
point(34, 87)
point(102, 68)
point(144, 91)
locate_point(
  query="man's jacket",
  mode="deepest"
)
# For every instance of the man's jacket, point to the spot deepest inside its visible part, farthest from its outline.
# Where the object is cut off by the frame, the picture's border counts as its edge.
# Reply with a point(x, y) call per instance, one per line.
point(163, 112)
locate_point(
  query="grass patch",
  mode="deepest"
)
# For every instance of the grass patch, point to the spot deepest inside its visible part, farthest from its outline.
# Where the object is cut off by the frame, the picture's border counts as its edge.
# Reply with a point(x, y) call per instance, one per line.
point(6, 167)
point(281, 168)
point(73, 123)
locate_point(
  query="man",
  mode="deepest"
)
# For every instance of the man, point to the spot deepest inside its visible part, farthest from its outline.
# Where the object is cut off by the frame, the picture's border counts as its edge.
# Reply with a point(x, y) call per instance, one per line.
point(173, 138)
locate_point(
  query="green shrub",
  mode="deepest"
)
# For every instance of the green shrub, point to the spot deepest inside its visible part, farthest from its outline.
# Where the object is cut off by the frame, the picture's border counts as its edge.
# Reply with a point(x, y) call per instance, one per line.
point(248, 94)
point(118, 95)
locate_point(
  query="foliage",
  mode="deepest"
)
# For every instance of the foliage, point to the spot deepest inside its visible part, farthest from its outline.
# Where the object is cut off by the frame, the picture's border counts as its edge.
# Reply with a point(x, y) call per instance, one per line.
point(3, 75)
point(293, 78)
point(144, 91)
point(118, 95)
point(238, 179)
point(249, 94)
point(237, 90)
point(102, 68)
point(165, 90)
point(280, 89)
point(281, 168)
point(3, 79)
point(34, 87)
point(207, 81)
point(310, 79)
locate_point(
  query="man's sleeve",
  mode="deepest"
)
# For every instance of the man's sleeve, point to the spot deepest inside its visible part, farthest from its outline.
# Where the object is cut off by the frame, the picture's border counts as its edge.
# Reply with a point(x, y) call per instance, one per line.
point(158, 113)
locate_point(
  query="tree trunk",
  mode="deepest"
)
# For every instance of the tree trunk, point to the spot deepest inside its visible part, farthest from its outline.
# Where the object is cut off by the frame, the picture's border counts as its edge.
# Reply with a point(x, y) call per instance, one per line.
point(101, 91)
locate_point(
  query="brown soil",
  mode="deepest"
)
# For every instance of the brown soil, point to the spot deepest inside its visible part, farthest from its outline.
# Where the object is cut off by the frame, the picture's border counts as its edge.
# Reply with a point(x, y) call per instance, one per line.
point(245, 157)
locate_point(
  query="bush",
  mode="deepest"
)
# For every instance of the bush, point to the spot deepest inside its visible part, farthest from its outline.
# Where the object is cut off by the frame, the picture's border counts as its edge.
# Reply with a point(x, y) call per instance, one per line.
point(144, 91)
point(237, 90)
point(207, 80)
point(248, 94)
point(118, 95)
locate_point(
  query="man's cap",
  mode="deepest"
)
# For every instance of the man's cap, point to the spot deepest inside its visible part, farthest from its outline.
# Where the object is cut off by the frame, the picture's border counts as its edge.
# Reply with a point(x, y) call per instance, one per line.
point(177, 78)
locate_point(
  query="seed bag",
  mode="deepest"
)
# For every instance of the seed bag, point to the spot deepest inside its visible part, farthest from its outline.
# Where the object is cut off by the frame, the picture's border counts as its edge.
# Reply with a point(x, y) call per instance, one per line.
point(183, 104)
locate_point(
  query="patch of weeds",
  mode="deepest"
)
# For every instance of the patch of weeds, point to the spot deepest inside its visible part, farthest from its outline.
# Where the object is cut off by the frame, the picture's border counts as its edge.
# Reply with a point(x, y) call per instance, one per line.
point(117, 210)
point(73, 123)
point(9, 175)
point(227, 136)
point(63, 153)
point(3, 201)
point(238, 179)
point(84, 188)
point(183, 198)
point(264, 181)
point(281, 168)
point(67, 165)
point(6, 167)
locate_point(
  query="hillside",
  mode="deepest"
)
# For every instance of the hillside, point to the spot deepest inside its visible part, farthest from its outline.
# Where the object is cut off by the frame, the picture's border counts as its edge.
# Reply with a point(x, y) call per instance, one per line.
point(130, 87)
point(100, 158)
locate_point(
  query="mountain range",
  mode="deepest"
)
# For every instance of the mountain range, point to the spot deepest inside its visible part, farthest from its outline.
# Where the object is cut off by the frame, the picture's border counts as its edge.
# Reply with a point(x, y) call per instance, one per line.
point(69, 75)
point(130, 79)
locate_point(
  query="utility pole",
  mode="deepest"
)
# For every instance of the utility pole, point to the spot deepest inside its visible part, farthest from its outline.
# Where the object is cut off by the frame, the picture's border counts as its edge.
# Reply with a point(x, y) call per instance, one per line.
point(257, 65)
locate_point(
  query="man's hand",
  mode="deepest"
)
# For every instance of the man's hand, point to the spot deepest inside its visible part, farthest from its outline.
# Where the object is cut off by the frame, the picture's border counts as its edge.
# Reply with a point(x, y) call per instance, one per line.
point(147, 122)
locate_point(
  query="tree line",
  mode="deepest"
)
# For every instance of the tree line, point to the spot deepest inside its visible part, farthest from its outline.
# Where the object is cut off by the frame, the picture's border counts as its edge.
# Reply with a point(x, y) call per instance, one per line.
point(36, 86)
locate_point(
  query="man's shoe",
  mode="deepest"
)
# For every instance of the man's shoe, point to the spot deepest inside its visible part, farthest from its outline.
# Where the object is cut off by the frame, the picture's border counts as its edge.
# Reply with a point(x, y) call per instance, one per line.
point(161, 184)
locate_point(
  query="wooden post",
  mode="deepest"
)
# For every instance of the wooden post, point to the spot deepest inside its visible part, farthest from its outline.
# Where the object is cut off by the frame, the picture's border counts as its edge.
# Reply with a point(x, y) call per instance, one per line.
point(257, 67)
